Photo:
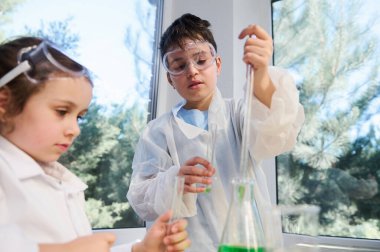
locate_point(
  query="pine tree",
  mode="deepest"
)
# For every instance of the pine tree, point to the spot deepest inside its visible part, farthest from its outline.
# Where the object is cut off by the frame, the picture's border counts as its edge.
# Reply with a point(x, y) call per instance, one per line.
point(334, 60)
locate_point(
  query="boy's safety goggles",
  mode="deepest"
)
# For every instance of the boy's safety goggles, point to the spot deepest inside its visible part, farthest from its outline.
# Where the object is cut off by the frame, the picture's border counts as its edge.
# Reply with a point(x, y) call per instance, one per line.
point(200, 54)
point(40, 63)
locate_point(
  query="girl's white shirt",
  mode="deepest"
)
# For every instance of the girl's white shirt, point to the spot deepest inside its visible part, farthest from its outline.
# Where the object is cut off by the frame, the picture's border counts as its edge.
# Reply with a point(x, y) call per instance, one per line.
point(39, 203)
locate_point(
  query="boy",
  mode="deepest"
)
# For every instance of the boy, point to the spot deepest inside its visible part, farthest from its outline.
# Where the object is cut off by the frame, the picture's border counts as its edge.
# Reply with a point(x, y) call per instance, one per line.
point(176, 143)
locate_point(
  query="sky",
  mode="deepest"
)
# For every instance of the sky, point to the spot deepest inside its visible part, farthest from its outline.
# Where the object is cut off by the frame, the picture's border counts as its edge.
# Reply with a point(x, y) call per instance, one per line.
point(101, 26)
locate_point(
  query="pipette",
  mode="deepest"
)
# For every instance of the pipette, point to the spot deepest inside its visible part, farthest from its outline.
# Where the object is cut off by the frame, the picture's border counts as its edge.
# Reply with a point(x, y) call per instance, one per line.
point(244, 154)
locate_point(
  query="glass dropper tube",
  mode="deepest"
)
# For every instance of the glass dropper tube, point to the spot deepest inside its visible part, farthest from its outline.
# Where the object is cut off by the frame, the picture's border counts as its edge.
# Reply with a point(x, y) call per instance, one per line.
point(244, 153)
point(211, 151)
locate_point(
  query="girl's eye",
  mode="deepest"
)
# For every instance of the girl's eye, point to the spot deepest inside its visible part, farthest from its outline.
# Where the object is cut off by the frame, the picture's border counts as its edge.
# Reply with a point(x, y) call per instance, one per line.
point(79, 118)
point(61, 112)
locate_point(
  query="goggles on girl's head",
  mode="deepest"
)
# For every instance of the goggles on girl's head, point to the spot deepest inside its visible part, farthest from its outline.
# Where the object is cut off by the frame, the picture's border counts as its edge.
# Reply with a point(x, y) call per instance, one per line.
point(200, 54)
point(40, 63)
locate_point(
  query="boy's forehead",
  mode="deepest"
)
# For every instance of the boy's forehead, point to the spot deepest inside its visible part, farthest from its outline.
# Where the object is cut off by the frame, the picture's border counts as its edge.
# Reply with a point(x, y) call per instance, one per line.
point(188, 45)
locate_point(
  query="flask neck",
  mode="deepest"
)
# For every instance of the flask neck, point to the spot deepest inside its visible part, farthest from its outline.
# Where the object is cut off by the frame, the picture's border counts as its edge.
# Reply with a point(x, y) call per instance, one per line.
point(243, 190)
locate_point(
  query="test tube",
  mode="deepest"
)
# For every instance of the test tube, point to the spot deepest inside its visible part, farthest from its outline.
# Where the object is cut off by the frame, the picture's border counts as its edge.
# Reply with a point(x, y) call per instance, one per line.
point(211, 150)
point(179, 184)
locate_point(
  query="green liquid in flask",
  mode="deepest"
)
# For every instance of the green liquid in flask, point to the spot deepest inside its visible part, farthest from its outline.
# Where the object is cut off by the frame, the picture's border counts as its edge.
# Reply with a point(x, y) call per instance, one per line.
point(230, 248)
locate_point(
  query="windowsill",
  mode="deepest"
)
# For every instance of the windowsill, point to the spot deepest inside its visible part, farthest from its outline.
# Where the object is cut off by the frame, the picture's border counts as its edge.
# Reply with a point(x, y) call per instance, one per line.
point(333, 244)
point(333, 248)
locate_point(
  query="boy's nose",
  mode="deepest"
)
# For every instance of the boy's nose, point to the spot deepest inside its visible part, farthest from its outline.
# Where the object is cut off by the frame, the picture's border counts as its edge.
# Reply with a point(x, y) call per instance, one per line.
point(191, 69)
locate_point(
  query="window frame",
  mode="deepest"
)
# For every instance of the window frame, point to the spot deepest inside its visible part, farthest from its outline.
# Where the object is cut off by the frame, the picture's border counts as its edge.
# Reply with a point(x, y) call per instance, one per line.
point(153, 95)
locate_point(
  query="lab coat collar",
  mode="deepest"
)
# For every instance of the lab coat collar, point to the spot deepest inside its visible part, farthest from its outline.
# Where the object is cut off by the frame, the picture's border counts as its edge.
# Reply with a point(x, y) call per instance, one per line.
point(25, 167)
point(216, 107)
point(69, 181)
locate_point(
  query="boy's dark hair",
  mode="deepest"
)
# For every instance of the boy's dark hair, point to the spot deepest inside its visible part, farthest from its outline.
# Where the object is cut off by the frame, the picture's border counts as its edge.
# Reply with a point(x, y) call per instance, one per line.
point(188, 26)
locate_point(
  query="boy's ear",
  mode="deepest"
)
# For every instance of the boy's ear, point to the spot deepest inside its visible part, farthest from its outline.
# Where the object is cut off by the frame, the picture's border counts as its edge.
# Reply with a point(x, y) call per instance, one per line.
point(218, 64)
point(169, 79)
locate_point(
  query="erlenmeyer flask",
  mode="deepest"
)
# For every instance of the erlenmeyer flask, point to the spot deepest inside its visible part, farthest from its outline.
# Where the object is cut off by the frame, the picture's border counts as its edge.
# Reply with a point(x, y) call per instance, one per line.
point(243, 230)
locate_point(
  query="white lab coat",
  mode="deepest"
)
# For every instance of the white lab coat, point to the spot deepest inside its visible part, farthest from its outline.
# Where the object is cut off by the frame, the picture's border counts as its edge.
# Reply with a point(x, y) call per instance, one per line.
point(38, 203)
point(167, 142)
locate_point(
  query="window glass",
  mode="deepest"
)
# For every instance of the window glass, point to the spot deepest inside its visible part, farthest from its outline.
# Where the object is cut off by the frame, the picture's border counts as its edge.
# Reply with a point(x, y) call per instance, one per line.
point(115, 39)
point(332, 49)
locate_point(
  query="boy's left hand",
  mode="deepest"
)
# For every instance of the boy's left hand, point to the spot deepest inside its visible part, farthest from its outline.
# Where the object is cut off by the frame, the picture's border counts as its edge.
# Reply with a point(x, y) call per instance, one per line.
point(162, 237)
point(258, 49)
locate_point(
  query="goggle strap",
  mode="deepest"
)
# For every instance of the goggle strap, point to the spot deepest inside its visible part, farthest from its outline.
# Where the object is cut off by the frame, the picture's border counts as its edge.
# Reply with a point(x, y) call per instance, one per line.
point(19, 69)
point(60, 66)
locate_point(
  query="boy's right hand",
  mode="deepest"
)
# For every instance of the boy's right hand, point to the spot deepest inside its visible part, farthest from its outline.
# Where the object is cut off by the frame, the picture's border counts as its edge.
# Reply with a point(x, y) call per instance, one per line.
point(196, 170)
point(100, 242)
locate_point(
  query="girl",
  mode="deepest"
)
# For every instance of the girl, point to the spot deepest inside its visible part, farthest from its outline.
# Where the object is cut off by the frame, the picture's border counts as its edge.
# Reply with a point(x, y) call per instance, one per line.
point(41, 202)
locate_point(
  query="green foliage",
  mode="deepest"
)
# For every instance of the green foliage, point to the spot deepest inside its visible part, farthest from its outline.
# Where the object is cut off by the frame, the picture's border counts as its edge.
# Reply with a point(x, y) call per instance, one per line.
point(104, 216)
point(335, 162)
point(102, 156)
